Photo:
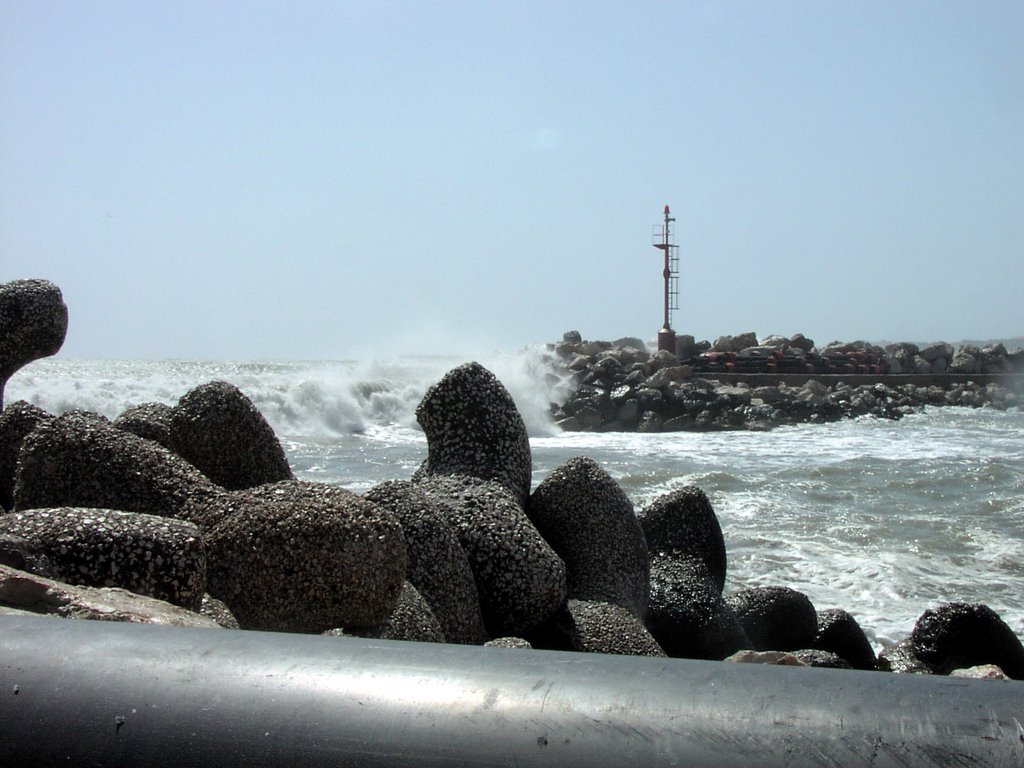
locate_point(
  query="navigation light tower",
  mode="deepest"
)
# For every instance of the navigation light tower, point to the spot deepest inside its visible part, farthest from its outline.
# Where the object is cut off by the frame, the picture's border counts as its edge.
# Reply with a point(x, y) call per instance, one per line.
point(662, 239)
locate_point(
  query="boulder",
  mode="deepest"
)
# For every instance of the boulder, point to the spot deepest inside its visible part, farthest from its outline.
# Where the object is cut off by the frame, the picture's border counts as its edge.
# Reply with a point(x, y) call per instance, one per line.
point(650, 422)
point(572, 337)
point(839, 633)
point(660, 359)
point(520, 579)
point(153, 556)
point(437, 565)
point(958, 635)
point(687, 615)
point(902, 660)
point(981, 672)
point(801, 342)
point(594, 348)
point(675, 374)
point(149, 420)
point(80, 460)
point(297, 556)
point(24, 555)
point(593, 626)
point(218, 430)
point(968, 359)
point(578, 363)
point(775, 341)
point(220, 613)
point(27, 592)
point(282, 559)
point(630, 342)
point(589, 521)
point(33, 324)
point(411, 619)
point(938, 351)
point(775, 658)
point(683, 524)
point(775, 618)
point(735, 343)
point(17, 421)
point(473, 429)
point(516, 643)
point(815, 657)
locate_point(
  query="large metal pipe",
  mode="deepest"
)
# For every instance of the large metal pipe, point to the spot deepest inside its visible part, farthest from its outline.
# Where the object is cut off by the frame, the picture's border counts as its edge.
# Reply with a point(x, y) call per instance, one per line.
point(105, 694)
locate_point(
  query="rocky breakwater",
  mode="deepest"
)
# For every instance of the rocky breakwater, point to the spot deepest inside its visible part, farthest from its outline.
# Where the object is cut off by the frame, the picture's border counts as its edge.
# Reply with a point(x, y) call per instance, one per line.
point(740, 382)
point(190, 515)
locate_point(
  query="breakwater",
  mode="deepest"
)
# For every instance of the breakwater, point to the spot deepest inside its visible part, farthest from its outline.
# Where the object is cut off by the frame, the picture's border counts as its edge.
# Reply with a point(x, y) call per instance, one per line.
point(622, 386)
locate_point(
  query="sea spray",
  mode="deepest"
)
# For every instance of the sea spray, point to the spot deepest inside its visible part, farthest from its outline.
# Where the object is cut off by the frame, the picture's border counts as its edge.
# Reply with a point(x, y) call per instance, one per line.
point(308, 399)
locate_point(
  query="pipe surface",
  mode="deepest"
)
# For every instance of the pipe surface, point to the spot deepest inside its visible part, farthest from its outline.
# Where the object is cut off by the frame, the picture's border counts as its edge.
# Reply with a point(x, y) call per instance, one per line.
point(110, 694)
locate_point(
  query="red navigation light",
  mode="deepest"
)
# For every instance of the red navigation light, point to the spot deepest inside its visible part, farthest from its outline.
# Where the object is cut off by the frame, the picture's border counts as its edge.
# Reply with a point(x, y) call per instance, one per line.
point(666, 209)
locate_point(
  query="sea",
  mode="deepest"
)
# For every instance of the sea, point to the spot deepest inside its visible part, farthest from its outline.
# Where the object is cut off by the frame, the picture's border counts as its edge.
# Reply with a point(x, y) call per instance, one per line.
point(881, 518)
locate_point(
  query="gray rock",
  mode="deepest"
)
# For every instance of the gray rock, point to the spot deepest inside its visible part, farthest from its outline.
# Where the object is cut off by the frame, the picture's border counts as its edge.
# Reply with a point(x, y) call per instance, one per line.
point(25, 591)
point(660, 359)
point(968, 359)
point(220, 613)
point(437, 565)
point(592, 626)
point(815, 657)
point(981, 672)
point(80, 460)
point(302, 557)
point(815, 387)
point(941, 350)
point(687, 614)
point(218, 430)
point(775, 618)
point(683, 524)
point(33, 324)
point(799, 341)
point(650, 423)
point(517, 643)
point(768, 395)
point(920, 366)
point(775, 342)
point(839, 633)
point(17, 421)
point(594, 348)
point(776, 658)
point(153, 556)
point(902, 660)
point(958, 635)
point(630, 342)
point(669, 375)
point(735, 343)
point(149, 420)
point(24, 555)
point(289, 561)
point(473, 429)
point(572, 337)
point(412, 619)
point(520, 579)
point(589, 521)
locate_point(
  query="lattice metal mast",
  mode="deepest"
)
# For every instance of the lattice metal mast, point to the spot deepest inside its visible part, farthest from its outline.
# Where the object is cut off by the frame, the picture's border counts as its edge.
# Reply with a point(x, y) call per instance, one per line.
point(662, 238)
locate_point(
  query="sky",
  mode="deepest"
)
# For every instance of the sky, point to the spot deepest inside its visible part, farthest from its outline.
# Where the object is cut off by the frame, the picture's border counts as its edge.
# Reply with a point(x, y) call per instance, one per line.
point(329, 180)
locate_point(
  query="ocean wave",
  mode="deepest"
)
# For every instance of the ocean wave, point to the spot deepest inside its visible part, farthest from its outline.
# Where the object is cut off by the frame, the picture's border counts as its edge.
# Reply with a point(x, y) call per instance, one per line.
point(298, 399)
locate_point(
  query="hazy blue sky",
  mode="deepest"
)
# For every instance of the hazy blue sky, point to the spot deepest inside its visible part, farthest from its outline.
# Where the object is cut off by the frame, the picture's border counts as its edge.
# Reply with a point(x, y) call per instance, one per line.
point(291, 180)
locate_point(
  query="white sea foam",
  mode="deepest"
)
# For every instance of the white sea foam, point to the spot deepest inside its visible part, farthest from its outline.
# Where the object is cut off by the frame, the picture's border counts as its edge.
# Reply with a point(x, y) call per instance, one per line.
point(304, 399)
